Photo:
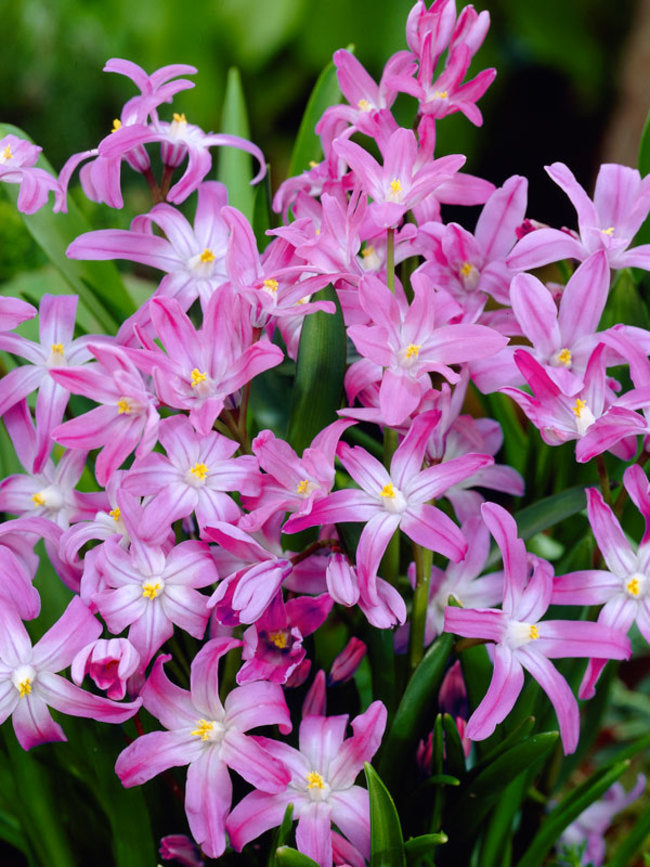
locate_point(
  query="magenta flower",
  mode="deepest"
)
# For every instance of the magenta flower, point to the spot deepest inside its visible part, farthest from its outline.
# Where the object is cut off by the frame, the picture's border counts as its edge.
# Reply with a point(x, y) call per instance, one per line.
point(401, 182)
point(620, 205)
point(29, 683)
point(321, 788)
point(400, 498)
point(109, 662)
point(409, 344)
point(624, 587)
point(150, 591)
point(193, 477)
point(56, 349)
point(209, 737)
point(524, 641)
point(17, 166)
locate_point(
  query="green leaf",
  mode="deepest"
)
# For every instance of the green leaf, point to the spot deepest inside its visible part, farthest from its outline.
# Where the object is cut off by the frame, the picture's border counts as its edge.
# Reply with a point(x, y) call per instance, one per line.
point(455, 754)
point(285, 856)
point(419, 850)
point(307, 148)
point(412, 714)
point(625, 303)
point(634, 839)
point(568, 810)
point(497, 835)
point(98, 284)
point(386, 841)
point(487, 787)
point(281, 835)
point(319, 373)
point(235, 165)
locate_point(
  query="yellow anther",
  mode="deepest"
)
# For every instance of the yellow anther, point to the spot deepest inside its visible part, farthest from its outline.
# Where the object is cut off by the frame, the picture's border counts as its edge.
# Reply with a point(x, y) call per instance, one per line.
point(270, 285)
point(207, 256)
point(388, 491)
point(115, 514)
point(117, 124)
point(609, 231)
point(123, 406)
point(533, 632)
point(151, 589)
point(395, 187)
point(25, 687)
point(6, 154)
point(413, 349)
point(180, 118)
point(38, 500)
point(364, 105)
point(57, 348)
point(633, 587)
point(466, 269)
point(580, 405)
point(303, 487)
point(204, 727)
point(313, 164)
point(200, 471)
point(564, 357)
point(367, 251)
point(279, 639)
point(197, 377)
point(441, 94)
point(314, 780)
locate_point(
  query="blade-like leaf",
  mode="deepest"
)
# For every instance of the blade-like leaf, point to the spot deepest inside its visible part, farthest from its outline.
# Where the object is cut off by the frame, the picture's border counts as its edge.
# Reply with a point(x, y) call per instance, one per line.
point(386, 841)
point(307, 148)
point(235, 165)
point(98, 284)
point(319, 373)
point(419, 850)
point(285, 856)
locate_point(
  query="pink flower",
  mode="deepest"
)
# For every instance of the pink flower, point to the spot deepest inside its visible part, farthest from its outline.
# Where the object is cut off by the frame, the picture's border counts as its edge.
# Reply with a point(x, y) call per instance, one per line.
point(209, 737)
point(321, 788)
point(109, 662)
point(524, 641)
point(17, 159)
point(29, 682)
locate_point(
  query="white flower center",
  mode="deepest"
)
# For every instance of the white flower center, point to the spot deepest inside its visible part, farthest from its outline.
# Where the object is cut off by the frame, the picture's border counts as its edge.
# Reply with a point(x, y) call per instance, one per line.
point(209, 730)
point(519, 633)
point(318, 789)
point(392, 499)
point(636, 585)
point(23, 679)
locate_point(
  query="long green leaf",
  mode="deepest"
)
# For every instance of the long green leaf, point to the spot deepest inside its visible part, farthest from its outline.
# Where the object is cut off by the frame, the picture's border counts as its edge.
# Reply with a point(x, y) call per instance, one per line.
point(285, 856)
point(98, 284)
point(632, 842)
point(281, 835)
point(413, 711)
point(235, 165)
point(307, 148)
point(568, 810)
point(386, 841)
point(319, 374)
point(419, 850)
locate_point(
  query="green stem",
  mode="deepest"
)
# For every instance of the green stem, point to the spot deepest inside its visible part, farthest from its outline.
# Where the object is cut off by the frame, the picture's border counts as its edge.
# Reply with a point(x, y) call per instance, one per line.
point(242, 437)
point(619, 504)
point(603, 475)
point(423, 563)
point(390, 560)
point(390, 259)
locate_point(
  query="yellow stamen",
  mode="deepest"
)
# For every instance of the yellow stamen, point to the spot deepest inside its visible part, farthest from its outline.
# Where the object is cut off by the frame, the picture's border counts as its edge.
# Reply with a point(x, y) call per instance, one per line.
point(25, 687)
point(533, 632)
point(204, 727)
point(57, 348)
point(413, 349)
point(270, 285)
point(466, 269)
point(38, 499)
point(367, 251)
point(633, 587)
point(200, 471)
point(115, 514)
point(197, 377)
point(314, 780)
point(6, 154)
point(180, 118)
point(207, 256)
point(364, 105)
point(609, 231)
point(117, 124)
point(123, 406)
point(441, 94)
point(313, 164)
point(388, 491)
point(564, 357)
point(396, 187)
point(279, 639)
point(151, 590)
point(580, 405)
point(303, 487)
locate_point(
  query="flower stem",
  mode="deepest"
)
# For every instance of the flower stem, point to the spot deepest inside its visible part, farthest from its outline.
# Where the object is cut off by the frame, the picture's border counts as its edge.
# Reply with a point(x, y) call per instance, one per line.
point(603, 475)
point(390, 259)
point(423, 563)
